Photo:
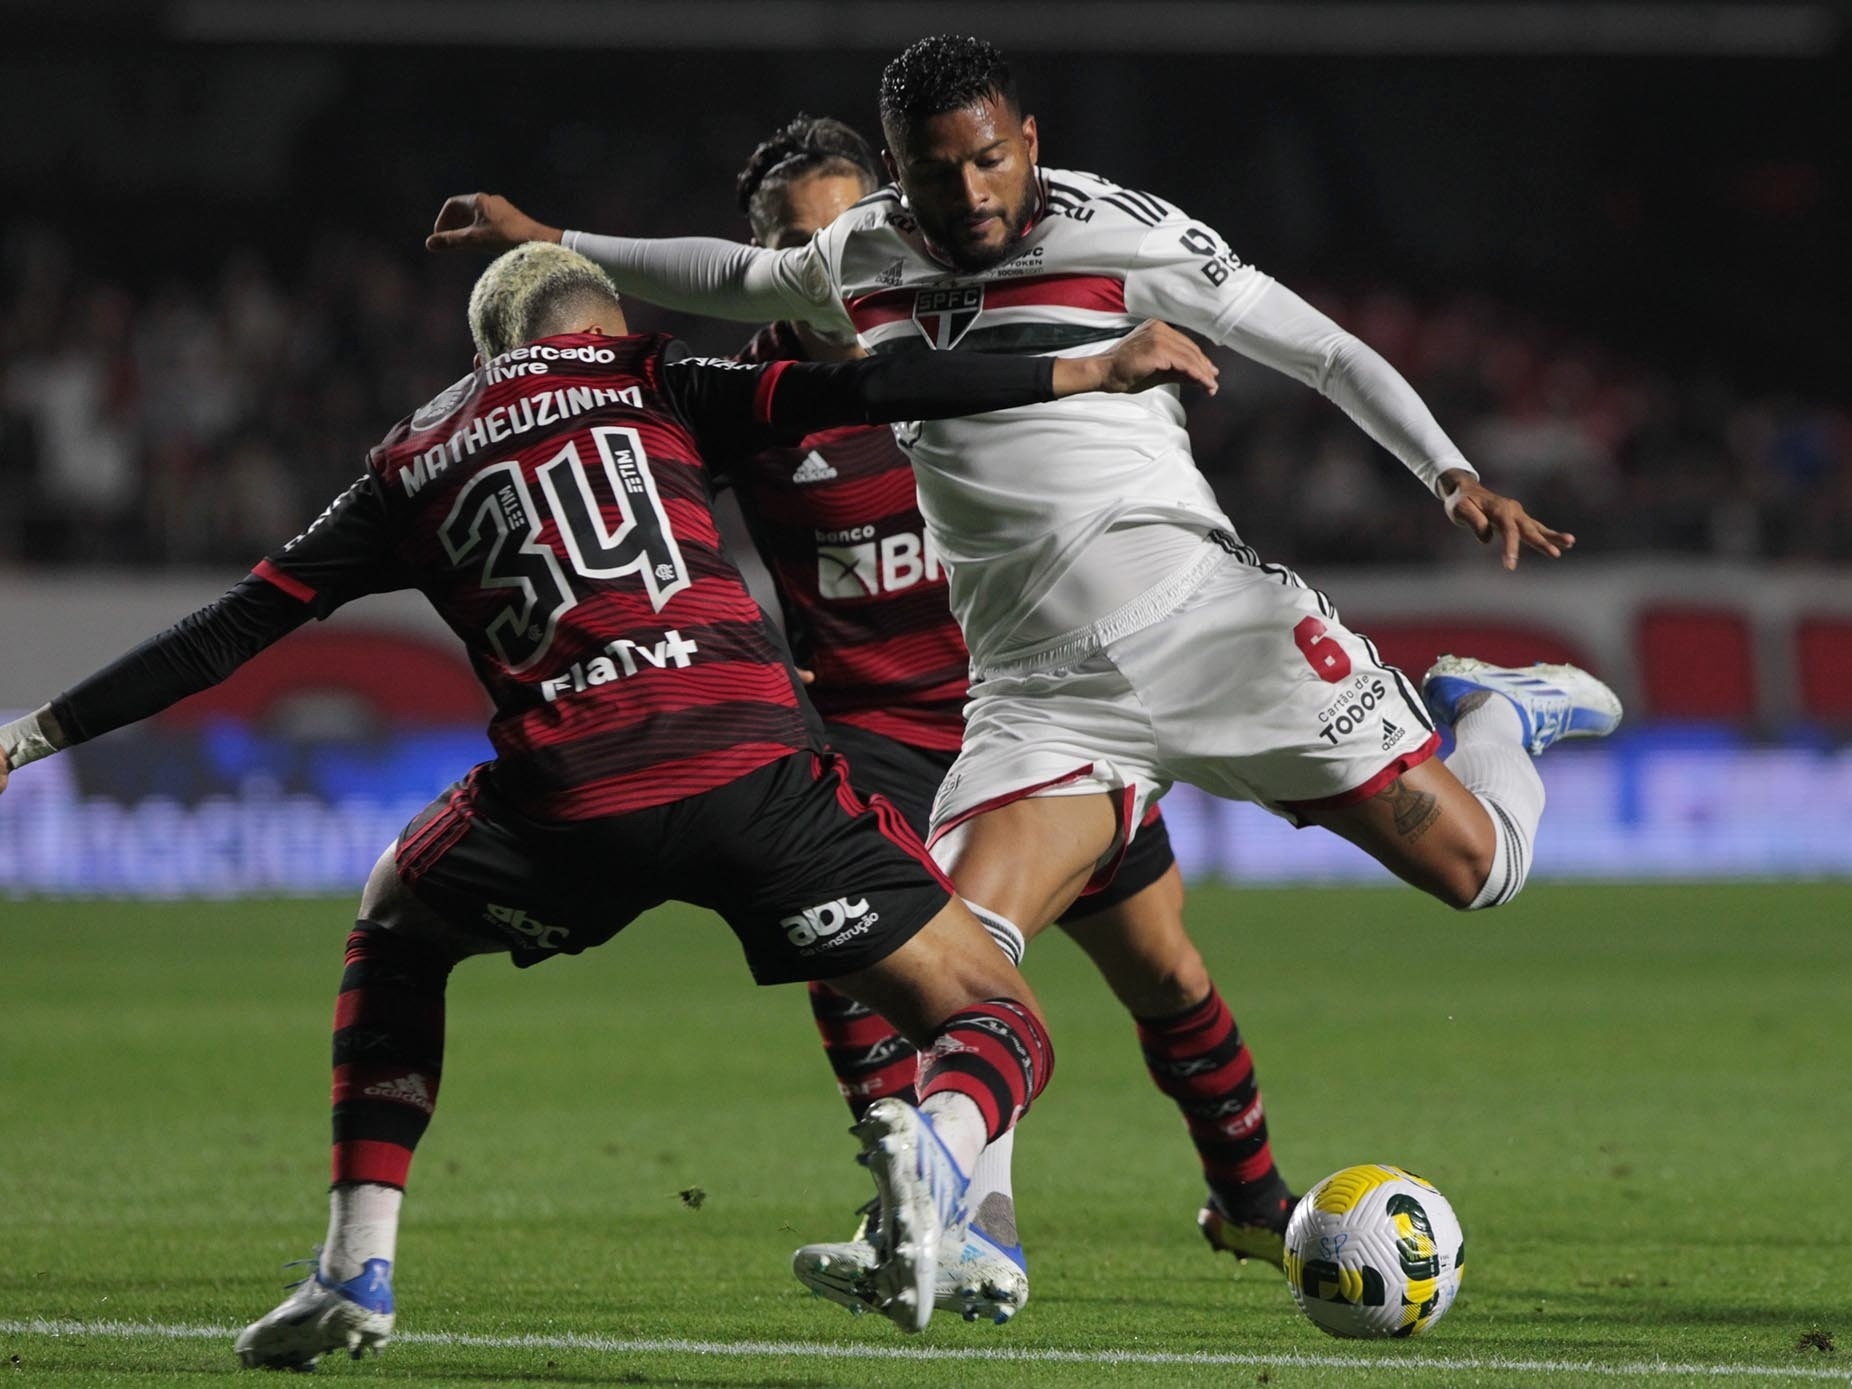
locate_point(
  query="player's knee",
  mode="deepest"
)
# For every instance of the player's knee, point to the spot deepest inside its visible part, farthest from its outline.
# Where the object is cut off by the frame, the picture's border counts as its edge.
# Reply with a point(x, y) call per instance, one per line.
point(1503, 879)
point(387, 905)
point(1461, 882)
point(1158, 989)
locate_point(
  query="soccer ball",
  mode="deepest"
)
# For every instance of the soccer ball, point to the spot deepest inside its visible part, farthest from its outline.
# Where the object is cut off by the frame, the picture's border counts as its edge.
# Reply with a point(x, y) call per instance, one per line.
point(1374, 1251)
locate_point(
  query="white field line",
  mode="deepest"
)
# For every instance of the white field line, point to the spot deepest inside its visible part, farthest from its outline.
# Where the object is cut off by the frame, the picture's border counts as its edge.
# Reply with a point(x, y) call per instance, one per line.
point(128, 1330)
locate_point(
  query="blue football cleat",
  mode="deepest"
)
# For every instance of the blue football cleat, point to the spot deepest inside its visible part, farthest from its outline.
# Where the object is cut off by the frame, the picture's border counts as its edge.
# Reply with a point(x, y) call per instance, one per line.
point(1553, 701)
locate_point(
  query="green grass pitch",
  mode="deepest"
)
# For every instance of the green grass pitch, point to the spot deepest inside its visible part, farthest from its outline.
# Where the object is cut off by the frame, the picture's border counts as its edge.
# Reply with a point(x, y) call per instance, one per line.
point(1636, 1098)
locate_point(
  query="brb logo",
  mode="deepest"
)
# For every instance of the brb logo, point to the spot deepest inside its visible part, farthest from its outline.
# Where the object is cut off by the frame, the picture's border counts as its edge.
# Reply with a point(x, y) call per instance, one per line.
point(944, 315)
point(852, 563)
point(823, 927)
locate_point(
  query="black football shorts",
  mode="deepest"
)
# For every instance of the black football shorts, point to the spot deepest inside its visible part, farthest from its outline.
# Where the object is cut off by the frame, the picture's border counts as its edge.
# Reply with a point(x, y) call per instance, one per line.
point(814, 881)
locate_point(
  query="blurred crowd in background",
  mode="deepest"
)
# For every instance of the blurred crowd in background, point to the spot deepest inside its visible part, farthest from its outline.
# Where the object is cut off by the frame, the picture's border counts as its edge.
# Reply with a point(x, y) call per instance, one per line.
point(192, 421)
point(1612, 278)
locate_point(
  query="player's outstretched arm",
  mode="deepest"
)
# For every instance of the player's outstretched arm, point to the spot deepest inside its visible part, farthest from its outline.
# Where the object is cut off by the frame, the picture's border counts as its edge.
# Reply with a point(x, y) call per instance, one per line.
point(484, 222)
point(695, 274)
point(1283, 331)
point(791, 399)
point(1152, 354)
point(1182, 271)
point(27, 740)
point(194, 654)
point(1491, 517)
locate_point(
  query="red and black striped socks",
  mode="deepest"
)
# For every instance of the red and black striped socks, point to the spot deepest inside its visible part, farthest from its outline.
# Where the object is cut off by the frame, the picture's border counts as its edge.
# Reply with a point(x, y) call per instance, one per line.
point(986, 1065)
point(388, 1053)
point(1197, 1057)
point(870, 1059)
point(388, 1060)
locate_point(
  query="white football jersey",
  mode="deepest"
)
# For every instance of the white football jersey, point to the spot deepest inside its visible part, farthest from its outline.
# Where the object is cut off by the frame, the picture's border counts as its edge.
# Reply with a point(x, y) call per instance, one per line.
point(1080, 519)
point(1046, 513)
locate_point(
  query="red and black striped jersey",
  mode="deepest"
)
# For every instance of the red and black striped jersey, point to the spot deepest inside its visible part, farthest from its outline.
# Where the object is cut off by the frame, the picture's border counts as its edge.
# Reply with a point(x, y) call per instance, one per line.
point(859, 578)
point(553, 505)
point(554, 508)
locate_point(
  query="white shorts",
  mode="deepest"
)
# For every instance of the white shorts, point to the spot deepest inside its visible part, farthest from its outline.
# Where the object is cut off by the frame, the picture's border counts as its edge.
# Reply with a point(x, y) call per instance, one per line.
point(1250, 689)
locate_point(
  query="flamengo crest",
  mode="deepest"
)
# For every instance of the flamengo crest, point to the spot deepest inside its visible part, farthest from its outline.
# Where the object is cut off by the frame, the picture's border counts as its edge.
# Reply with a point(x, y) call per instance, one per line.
point(944, 315)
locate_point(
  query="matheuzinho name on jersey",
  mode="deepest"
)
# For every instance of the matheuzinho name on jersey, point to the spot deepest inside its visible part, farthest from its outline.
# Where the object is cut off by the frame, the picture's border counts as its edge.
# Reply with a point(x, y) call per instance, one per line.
point(505, 422)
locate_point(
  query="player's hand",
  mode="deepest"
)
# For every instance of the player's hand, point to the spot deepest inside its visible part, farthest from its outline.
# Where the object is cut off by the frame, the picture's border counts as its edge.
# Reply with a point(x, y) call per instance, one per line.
point(807, 677)
point(484, 222)
point(1152, 354)
point(5, 771)
point(1502, 519)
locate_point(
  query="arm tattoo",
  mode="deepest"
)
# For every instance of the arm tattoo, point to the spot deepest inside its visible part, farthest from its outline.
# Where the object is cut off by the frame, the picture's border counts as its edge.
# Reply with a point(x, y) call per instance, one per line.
point(1415, 811)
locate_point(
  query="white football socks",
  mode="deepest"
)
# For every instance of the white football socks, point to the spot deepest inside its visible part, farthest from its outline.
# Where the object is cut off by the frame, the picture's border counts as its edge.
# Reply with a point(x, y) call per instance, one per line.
point(363, 1223)
point(1490, 760)
point(960, 1126)
point(991, 1176)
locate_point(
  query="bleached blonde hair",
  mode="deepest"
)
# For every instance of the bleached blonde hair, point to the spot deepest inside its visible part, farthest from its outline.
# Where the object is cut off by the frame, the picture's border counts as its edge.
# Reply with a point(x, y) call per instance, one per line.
point(531, 292)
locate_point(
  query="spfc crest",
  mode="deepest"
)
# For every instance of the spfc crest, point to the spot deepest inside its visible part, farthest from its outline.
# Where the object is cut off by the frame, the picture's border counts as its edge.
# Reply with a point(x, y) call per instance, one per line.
point(944, 315)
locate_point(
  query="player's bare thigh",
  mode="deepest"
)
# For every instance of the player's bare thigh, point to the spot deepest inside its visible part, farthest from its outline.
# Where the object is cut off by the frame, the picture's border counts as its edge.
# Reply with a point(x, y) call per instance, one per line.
point(1426, 828)
point(1029, 860)
point(1142, 950)
point(949, 964)
point(386, 901)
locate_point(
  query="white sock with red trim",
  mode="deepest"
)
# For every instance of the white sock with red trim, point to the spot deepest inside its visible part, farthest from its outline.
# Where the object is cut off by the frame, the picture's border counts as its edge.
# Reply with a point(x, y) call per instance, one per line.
point(1490, 760)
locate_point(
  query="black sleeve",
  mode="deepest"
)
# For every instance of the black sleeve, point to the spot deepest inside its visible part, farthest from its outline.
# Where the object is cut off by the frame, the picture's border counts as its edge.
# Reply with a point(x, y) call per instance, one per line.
point(194, 654)
point(735, 407)
point(346, 551)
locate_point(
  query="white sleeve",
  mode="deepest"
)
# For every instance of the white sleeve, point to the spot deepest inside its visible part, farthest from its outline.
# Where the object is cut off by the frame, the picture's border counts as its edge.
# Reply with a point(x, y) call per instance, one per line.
point(1185, 274)
point(724, 279)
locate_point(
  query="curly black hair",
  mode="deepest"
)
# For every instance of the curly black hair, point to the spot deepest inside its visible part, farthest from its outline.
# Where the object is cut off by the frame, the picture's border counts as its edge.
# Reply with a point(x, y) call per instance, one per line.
point(946, 72)
point(803, 145)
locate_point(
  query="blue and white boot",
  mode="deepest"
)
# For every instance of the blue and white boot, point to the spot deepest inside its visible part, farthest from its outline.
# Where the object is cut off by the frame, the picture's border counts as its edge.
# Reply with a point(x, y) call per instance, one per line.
point(1553, 701)
point(984, 1277)
point(319, 1316)
point(923, 1208)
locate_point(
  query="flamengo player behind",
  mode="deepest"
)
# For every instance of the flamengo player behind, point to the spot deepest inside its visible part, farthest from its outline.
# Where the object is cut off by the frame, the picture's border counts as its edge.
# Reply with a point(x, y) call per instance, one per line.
point(1122, 636)
point(553, 505)
point(864, 601)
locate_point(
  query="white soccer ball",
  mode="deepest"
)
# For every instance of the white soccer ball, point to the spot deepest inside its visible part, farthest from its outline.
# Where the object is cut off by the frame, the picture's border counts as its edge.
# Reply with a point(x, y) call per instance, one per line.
point(1374, 1251)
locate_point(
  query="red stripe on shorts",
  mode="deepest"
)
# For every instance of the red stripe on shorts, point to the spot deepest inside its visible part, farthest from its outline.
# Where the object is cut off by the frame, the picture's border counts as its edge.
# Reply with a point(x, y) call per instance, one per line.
point(1370, 787)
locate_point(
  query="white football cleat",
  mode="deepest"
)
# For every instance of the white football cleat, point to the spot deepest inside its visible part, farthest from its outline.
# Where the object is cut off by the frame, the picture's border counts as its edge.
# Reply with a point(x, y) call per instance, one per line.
point(980, 1278)
point(318, 1317)
point(1553, 701)
point(922, 1208)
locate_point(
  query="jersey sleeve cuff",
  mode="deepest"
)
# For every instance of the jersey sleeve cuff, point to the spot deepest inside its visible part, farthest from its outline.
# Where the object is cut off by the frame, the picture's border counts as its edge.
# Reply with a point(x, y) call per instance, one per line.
point(768, 385)
point(276, 578)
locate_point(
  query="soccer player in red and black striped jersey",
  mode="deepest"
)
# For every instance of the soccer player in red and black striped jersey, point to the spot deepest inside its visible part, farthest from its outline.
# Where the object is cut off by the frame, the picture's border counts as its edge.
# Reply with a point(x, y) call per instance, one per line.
point(864, 600)
point(650, 742)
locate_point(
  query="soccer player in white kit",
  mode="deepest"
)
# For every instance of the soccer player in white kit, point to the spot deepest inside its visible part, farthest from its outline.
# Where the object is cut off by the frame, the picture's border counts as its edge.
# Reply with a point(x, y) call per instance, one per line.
point(1122, 635)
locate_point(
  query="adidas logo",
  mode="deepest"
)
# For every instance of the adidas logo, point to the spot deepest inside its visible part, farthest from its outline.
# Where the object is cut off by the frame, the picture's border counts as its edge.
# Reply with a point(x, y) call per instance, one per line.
point(1391, 735)
point(405, 1089)
point(893, 275)
point(814, 468)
